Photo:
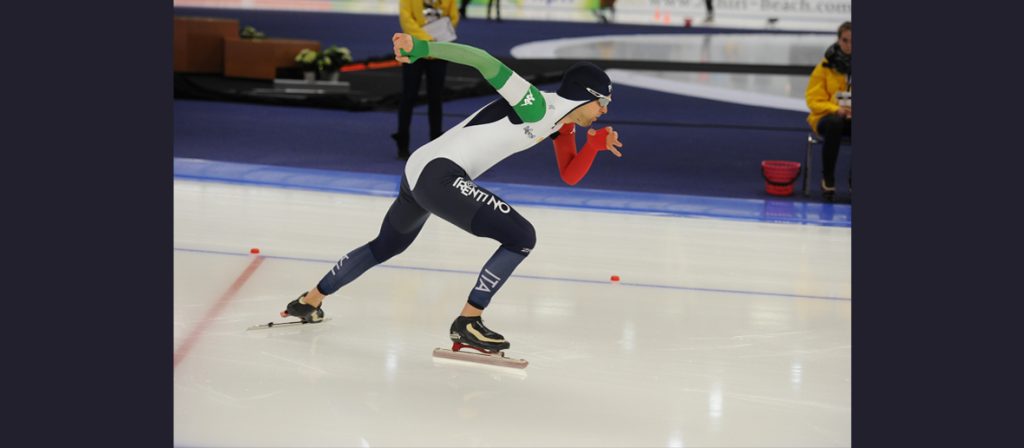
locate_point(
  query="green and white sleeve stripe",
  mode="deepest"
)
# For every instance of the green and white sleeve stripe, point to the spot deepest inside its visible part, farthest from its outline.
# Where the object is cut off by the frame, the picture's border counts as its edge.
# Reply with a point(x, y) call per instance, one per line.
point(525, 99)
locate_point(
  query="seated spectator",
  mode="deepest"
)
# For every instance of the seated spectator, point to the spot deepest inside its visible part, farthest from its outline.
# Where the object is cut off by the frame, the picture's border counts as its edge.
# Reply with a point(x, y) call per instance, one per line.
point(829, 98)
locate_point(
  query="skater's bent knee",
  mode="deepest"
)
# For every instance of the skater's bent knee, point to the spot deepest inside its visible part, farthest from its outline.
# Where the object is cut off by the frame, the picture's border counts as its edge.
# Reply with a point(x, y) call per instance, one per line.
point(512, 231)
point(527, 239)
point(521, 236)
point(383, 249)
point(391, 242)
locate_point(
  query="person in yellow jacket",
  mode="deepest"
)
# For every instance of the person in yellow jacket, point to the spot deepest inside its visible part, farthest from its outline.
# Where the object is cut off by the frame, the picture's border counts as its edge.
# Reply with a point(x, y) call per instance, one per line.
point(414, 16)
point(829, 98)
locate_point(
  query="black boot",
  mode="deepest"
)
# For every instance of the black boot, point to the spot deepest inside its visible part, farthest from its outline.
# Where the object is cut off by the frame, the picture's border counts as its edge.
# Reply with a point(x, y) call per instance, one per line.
point(308, 313)
point(403, 145)
point(472, 332)
point(828, 189)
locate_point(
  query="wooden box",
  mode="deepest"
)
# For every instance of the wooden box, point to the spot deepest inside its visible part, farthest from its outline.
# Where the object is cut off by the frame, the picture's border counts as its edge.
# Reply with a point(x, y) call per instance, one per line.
point(259, 59)
point(199, 43)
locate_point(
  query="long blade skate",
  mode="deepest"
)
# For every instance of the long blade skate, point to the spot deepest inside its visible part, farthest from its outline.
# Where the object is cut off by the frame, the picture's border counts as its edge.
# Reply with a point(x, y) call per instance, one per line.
point(284, 324)
point(483, 357)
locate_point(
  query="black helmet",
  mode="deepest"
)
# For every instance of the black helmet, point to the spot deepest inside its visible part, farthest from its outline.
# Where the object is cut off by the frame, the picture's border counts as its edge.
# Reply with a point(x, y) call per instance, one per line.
point(582, 76)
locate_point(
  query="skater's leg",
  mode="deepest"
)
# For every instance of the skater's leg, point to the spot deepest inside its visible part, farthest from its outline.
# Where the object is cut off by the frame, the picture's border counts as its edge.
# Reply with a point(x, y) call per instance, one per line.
point(399, 229)
point(517, 238)
point(445, 190)
point(388, 243)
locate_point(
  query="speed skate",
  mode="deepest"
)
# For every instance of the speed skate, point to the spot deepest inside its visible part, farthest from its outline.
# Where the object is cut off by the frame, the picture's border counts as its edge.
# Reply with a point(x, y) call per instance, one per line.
point(497, 358)
point(288, 323)
point(292, 323)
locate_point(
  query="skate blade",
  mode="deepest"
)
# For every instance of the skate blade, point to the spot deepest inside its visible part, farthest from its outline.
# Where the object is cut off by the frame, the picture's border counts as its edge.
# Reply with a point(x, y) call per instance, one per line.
point(496, 359)
point(284, 324)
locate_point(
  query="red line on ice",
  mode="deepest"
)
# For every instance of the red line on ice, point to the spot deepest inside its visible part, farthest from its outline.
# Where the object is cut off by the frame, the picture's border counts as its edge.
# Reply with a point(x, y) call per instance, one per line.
point(190, 340)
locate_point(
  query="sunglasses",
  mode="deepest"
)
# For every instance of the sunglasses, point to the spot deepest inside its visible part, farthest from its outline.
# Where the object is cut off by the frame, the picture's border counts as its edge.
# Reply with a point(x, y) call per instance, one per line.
point(601, 99)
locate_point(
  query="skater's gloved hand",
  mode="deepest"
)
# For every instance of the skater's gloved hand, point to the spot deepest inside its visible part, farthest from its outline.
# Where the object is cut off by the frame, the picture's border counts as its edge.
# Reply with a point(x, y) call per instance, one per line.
point(604, 139)
point(407, 48)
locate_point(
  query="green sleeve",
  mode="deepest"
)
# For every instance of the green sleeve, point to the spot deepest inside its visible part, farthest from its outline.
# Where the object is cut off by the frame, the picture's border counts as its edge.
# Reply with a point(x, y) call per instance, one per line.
point(525, 99)
point(490, 67)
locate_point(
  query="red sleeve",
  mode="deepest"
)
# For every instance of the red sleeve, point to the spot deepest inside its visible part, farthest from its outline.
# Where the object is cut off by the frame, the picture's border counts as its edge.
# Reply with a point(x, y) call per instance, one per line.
point(572, 165)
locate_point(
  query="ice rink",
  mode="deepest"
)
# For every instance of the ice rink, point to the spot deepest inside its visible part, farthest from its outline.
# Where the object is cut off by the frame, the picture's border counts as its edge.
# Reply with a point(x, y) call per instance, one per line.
point(720, 333)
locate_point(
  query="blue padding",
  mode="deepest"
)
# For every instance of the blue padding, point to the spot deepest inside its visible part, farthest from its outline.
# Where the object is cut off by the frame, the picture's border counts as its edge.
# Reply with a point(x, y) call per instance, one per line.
point(782, 211)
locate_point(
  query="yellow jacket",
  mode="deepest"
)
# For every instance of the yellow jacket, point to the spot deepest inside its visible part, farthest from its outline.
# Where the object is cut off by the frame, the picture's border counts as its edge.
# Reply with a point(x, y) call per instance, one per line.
point(821, 93)
point(410, 16)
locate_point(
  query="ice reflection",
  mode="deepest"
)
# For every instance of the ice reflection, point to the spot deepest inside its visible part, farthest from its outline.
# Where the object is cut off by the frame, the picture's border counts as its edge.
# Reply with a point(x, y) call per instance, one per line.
point(715, 404)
